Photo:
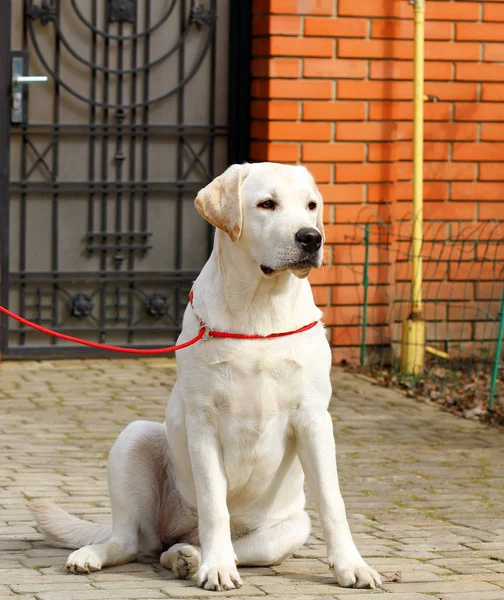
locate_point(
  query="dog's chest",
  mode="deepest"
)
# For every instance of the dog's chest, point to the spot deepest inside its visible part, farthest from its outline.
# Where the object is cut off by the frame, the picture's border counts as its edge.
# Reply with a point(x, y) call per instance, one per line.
point(251, 389)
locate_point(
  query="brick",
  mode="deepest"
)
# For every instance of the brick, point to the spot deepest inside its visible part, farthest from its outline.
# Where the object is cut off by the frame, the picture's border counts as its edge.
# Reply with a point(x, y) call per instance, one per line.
point(440, 131)
point(478, 271)
point(365, 131)
point(484, 151)
point(322, 172)
point(364, 173)
point(374, 49)
point(485, 291)
point(335, 28)
point(344, 234)
point(378, 90)
point(493, 52)
point(333, 152)
point(432, 151)
point(306, 7)
point(288, 89)
point(335, 68)
point(449, 90)
point(449, 171)
point(447, 290)
point(480, 32)
point(478, 111)
point(280, 130)
point(343, 356)
point(398, 69)
point(274, 110)
point(493, 12)
point(478, 191)
point(479, 72)
point(274, 152)
point(351, 336)
point(404, 30)
point(487, 212)
point(458, 51)
point(287, 46)
point(432, 271)
point(432, 191)
point(491, 92)
point(370, 8)
point(450, 211)
point(339, 193)
point(454, 11)
point(276, 67)
point(320, 295)
point(492, 132)
point(364, 214)
point(276, 25)
point(403, 111)
point(476, 231)
point(491, 251)
point(491, 172)
point(334, 111)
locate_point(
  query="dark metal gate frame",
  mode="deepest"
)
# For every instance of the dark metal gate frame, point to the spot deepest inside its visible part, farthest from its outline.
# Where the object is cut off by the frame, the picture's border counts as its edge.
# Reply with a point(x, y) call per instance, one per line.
point(238, 151)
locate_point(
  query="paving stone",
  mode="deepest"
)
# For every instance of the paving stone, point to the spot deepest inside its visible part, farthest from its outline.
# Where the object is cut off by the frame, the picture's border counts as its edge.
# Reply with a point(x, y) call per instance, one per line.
point(423, 489)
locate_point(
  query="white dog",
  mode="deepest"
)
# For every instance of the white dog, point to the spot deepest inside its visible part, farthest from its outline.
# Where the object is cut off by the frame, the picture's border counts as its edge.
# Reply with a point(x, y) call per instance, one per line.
point(247, 419)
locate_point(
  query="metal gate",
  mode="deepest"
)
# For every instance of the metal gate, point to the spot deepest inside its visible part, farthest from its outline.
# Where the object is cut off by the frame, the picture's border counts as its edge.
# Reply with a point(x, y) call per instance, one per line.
point(146, 100)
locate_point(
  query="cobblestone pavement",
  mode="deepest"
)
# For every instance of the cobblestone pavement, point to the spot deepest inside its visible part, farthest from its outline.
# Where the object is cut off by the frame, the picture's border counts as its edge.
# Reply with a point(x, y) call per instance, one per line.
point(424, 489)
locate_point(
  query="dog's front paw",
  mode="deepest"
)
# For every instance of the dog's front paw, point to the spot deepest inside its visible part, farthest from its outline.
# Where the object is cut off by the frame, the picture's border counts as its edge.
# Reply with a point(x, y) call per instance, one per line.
point(219, 577)
point(356, 573)
point(85, 560)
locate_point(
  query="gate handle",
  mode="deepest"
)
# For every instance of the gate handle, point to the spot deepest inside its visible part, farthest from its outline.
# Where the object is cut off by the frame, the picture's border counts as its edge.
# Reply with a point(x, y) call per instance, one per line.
point(29, 78)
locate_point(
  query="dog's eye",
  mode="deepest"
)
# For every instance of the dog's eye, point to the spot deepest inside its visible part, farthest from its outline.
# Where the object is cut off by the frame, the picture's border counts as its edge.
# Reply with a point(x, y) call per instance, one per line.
point(312, 206)
point(267, 205)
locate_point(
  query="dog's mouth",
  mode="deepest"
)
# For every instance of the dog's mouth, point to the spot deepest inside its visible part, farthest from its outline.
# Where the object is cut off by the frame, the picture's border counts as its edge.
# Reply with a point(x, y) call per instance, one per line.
point(302, 267)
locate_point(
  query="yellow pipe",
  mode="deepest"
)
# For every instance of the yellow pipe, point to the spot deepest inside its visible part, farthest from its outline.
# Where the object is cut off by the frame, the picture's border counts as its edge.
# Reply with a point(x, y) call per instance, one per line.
point(413, 329)
point(418, 107)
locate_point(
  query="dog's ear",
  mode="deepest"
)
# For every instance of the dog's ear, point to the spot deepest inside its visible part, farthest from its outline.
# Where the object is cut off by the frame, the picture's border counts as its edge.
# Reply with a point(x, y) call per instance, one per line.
point(220, 201)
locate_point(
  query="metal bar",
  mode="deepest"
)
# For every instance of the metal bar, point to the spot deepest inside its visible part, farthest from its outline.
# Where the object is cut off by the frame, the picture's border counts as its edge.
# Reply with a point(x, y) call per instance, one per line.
point(497, 357)
point(119, 156)
point(132, 176)
point(104, 169)
point(23, 199)
point(145, 117)
point(211, 150)
point(364, 307)
point(136, 128)
point(179, 223)
point(55, 173)
point(92, 128)
point(5, 110)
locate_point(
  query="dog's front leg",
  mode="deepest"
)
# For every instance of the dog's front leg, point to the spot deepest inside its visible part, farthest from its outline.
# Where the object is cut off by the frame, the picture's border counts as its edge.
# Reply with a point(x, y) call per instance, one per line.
point(218, 561)
point(317, 452)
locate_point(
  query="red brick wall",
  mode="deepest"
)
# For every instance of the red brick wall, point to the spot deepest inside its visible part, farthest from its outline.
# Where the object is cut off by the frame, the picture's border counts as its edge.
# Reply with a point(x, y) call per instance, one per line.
point(332, 90)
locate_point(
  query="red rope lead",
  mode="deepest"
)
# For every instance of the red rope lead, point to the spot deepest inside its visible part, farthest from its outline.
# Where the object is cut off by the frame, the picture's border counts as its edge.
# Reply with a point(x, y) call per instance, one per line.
point(204, 331)
point(70, 338)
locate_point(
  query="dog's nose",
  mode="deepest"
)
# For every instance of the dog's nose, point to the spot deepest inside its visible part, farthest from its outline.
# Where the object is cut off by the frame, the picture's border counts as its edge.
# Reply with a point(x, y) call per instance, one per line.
point(309, 238)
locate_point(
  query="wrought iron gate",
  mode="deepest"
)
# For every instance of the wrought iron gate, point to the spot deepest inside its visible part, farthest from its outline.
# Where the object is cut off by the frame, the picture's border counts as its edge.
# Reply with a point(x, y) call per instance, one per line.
point(99, 237)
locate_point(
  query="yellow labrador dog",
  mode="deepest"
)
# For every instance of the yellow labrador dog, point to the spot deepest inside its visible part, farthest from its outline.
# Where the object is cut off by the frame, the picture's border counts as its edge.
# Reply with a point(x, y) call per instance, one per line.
point(220, 483)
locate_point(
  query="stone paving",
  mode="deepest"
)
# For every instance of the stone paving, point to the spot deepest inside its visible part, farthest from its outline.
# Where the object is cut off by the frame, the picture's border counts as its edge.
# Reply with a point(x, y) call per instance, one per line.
point(424, 489)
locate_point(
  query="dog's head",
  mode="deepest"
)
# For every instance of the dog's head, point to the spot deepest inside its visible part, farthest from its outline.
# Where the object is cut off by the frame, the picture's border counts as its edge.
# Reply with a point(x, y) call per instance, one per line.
point(273, 211)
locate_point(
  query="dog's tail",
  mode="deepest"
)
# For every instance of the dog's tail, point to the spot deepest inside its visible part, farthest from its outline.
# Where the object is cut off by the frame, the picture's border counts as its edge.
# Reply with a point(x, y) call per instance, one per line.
point(63, 530)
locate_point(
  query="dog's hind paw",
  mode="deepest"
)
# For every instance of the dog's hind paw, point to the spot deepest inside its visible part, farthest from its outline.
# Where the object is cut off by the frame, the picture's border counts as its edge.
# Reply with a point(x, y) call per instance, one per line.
point(183, 559)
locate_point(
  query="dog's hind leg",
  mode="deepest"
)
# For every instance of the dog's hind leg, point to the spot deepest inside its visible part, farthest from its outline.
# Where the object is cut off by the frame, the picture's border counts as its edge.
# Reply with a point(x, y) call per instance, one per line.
point(271, 545)
point(183, 559)
point(135, 472)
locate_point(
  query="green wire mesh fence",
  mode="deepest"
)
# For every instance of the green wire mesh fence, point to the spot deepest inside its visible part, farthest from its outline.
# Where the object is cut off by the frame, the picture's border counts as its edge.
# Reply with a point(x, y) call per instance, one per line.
point(463, 292)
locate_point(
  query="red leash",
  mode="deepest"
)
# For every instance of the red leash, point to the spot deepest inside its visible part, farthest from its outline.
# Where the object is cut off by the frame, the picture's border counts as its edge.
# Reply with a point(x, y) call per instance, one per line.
point(205, 332)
